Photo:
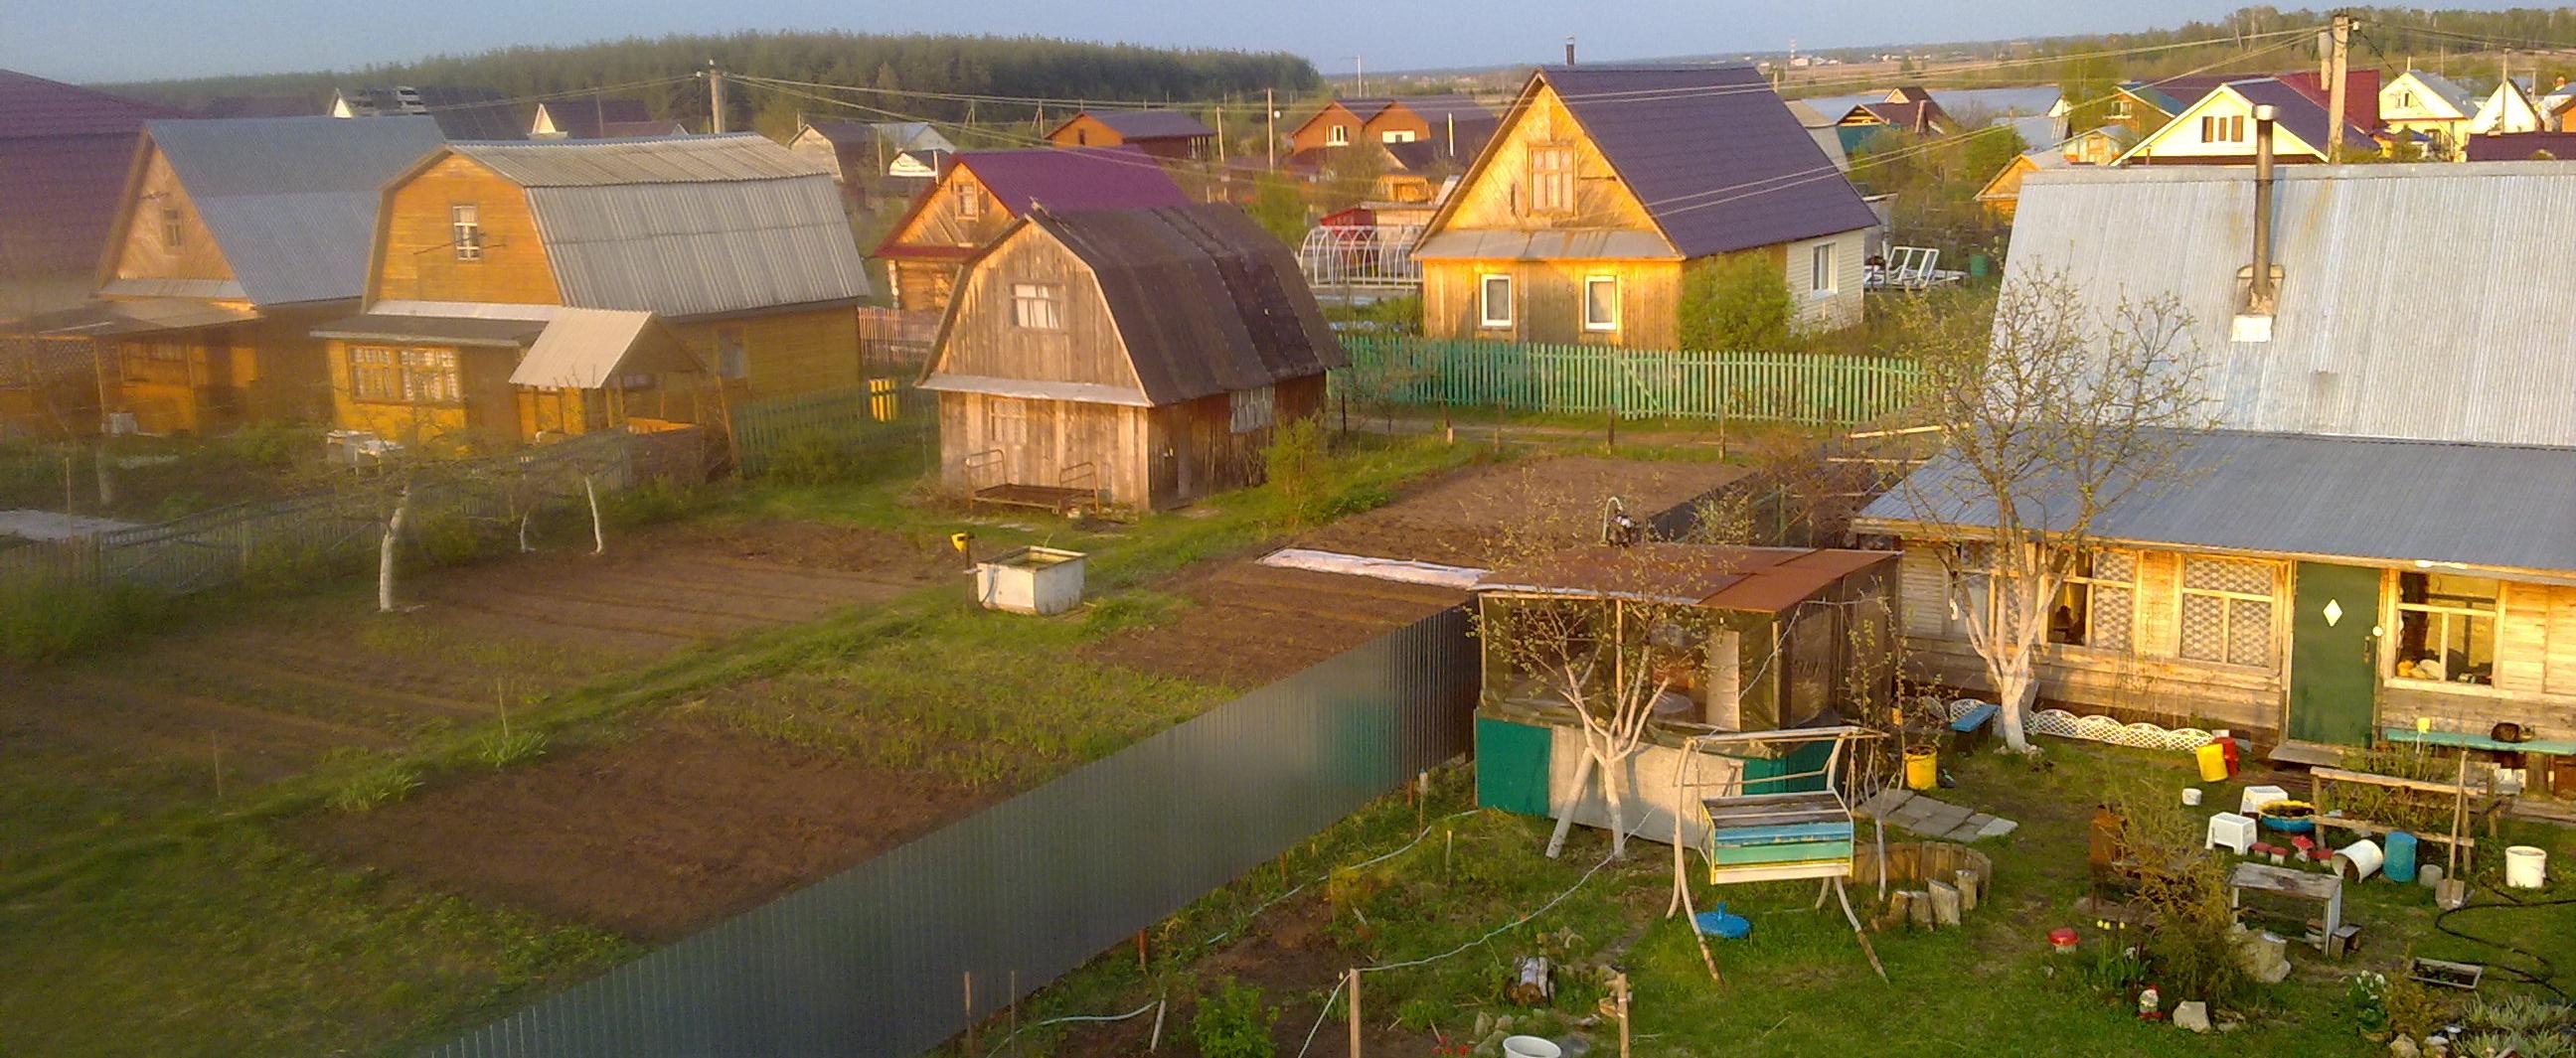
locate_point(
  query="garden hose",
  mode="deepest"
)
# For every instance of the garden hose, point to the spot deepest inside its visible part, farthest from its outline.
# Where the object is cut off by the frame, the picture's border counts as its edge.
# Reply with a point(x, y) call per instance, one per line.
point(2512, 903)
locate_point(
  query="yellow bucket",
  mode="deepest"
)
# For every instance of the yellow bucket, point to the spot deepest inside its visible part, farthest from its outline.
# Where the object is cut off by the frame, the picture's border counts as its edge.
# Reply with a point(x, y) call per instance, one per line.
point(1922, 768)
point(2213, 762)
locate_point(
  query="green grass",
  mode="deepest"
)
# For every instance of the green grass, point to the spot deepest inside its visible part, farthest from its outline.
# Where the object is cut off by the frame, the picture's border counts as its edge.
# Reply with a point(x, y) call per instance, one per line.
point(1800, 984)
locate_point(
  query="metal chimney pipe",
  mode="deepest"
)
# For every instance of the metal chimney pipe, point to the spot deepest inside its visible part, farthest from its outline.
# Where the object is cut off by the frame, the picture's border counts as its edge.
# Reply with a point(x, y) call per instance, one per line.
point(2259, 294)
point(1569, 51)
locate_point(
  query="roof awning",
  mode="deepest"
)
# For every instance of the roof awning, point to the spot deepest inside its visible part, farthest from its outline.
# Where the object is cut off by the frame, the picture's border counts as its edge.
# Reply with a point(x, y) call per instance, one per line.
point(1597, 245)
point(115, 319)
point(585, 348)
point(438, 330)
point(1033, 389)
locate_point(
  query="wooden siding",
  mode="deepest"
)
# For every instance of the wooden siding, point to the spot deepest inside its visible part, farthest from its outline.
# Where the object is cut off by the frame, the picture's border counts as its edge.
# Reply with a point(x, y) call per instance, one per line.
point(1497, 199)
point(784, 352)
point(2535, 671)
point(1044, 442)
point(415, 258)
point(1317, 130)
point(938, 224)
point(922, 286)
point(813, 147)
point(144, 252)
point(983, 338)
point(1840, 305)
point(217, 378)
point(1195, 452)
point(486, 417)
point(1549, 301)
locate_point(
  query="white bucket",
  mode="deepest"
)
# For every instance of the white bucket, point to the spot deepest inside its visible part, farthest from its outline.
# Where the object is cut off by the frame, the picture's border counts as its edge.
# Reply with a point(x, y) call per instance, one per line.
point(2525, 867)
point(1530, 1047)
point(2359, 860)
point(2191, 797)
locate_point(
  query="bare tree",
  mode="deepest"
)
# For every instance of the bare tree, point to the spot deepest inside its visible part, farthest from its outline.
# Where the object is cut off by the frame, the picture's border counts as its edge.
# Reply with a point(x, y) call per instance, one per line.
point(2065, 409)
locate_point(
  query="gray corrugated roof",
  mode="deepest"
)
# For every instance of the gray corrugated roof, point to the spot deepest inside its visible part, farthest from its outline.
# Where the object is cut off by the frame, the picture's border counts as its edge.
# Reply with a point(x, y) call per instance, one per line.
point(2448, 90)
point(2381, 330)
point(1719, 161)
point(585, 348)
point(2387, 500)
point(292, 201)
point(684, 226)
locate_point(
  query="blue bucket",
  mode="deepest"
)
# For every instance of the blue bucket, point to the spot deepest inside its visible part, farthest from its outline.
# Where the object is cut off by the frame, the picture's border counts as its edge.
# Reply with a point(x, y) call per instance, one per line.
point(1718, 923)
point(2401, 857)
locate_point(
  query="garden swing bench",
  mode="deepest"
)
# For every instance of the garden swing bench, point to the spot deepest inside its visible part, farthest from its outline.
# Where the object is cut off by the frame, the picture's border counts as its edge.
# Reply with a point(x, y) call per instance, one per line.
point(1776, 836)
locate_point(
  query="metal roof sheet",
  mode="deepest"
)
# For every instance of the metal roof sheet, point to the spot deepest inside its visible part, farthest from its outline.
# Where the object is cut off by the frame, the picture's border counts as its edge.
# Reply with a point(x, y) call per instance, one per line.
point(1069, 179)
point(292, 201)
point(2299, 112)
point(34, 106)
point(1723, 577)
point(1482, 244)
point(101, 319)
point(588, 117)
point(58, 197)
point(585, 348)
point(2522, 146)
point(461, 113)
point(1146, 124)
point(395, 327)
point(2380, 330)
point(1036, 389)
point(2363, 498)
point(660, 160)
point(2450, 92)
point(1720, 163)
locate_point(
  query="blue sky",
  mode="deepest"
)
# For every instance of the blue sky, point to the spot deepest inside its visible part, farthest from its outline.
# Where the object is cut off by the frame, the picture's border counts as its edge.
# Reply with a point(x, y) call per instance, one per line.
point(118, 40)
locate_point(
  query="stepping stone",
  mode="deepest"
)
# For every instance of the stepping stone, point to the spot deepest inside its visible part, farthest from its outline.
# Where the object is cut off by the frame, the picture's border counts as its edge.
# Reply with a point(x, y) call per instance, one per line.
point(1948, 816)
point(1979, 820)
point(1999, 828)
point(1887, 801)
point(1964, 834)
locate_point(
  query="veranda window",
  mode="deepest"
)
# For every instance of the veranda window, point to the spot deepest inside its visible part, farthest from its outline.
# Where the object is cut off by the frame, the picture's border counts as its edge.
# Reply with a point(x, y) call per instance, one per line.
point(2098, 604)
point(405, 376)
point(2446, 627)
point(2226, 613)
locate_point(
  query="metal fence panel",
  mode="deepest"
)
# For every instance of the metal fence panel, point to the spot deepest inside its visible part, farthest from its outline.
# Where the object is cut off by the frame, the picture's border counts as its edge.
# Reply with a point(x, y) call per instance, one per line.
point(1802, 388)
point(883, 411)
point(881, 958)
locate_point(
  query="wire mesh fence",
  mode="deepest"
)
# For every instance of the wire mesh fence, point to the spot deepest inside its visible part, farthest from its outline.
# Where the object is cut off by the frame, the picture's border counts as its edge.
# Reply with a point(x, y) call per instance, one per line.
point(1802, 388)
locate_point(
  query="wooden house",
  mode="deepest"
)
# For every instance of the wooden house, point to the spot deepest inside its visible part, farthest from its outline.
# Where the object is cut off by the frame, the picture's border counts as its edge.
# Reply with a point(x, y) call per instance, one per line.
point(983, 192)
point(2381, 529)
point(64, 151)
point(2219, 128)
point(1137, 357)
point(233, 239)
point(1744, 638)
point(1459, 124)
point(852, 151)
point(2429, 104)
point(1605, 184)
point(660, 261)
point(1908, 108)
point(2097, 147)
point(1168, 135)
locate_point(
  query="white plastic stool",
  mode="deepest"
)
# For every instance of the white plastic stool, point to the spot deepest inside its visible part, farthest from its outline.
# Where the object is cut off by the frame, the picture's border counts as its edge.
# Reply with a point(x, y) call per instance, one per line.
point(2231, 830)
point(2258, 796)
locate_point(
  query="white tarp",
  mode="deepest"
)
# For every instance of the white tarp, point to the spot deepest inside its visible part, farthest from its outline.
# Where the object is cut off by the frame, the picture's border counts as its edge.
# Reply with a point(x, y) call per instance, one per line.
point(1395, 569)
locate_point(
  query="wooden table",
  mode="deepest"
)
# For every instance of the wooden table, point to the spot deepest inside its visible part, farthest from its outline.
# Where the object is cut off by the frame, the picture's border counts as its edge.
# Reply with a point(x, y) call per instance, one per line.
point(2324, 889)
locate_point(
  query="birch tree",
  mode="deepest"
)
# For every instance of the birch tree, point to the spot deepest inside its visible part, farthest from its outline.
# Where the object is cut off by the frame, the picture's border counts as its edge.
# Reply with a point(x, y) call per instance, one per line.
point(2068, 406)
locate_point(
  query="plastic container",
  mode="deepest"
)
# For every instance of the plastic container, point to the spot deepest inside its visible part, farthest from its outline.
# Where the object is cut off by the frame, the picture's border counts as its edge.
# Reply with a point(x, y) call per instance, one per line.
point(2401, 857)
point(1530, 1047)
point(2213, 762)
point(2228, 746)
point(1718, 922)
point(2429, 875)
point(2063, 940)
point(2526, 867)
point(2359, 860)
point(2191, 797)
point(1922, 768)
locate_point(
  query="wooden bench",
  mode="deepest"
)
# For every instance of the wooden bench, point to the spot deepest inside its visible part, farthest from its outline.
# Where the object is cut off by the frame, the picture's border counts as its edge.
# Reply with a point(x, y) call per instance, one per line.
point(1968, 732)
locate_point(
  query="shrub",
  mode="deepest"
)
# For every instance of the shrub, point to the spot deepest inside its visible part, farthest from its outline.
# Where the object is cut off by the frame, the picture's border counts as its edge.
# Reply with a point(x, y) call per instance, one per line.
point(650, 502)
point(50, 622)
point(1740, 303)
point(1294, 464)
point(1233, 1023)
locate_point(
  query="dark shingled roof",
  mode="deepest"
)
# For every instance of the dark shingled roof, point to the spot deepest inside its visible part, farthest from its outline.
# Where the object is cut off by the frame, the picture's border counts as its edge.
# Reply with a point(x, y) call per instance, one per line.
point(1066, 179)
point(1205, 301)
point(2519, 146)
point(1717, 158)
point(1147, 124)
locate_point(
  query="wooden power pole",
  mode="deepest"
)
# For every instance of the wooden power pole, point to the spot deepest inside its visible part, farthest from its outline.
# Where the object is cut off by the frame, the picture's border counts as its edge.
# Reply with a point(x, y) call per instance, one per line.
point(2335, 86)
point(715, 97)
point(1270, 125)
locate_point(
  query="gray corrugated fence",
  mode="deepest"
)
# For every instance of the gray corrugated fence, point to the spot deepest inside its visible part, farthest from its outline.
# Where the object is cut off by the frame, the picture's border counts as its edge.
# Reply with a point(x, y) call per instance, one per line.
point(874, 960)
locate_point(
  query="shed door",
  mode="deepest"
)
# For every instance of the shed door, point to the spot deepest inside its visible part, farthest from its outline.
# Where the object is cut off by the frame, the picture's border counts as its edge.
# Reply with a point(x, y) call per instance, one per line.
point(2332, 654)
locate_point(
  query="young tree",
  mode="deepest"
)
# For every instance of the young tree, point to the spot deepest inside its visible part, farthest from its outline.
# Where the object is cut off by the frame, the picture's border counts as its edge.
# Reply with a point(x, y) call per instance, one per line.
point(2067, 408)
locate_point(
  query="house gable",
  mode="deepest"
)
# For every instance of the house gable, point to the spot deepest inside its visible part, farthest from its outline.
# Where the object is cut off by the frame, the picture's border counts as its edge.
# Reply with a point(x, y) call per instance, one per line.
point(980, 337)
point(938, 224)
point(1085, 131)
point(2507, 109)
point(140, 247)
point(415, 256)
point(2181, 137)
point(1495, 194)
point(2409, 98)
point(1315, 131)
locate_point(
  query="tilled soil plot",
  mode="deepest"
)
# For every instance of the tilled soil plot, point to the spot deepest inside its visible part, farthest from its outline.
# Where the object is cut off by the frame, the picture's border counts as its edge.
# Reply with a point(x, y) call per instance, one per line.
point(655, 837)
point(1253, 624)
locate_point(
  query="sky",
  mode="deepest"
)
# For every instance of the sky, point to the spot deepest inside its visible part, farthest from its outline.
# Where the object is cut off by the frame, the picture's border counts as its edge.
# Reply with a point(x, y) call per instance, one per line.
point(131, 40)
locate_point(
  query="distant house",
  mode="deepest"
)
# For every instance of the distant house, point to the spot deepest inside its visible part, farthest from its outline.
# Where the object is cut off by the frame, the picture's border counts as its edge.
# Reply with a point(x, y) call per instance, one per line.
point(593, 118)
point(233, 239)
point(2523, 146)
point(1142, 355)
point(1170, 135)
point(2508, 109)
point(2003, 192)
point(520, 290)
point(1458, 124)
point(1907, 108)
point(982, 192)
point(462, 113)
point(2381, 529)
point(2219, 128)
point(2142, 107)
point(1823, 130)
point(1605, 185)
point(858, 149)
point(2420, 101)
point(64, 152)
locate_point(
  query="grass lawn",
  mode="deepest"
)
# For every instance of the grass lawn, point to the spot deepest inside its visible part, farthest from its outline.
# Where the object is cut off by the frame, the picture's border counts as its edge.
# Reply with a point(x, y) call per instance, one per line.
point(1798, 985)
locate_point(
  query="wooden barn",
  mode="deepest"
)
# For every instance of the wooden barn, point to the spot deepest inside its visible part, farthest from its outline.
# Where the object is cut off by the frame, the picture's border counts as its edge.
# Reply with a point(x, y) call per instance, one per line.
point(980, 193)
point(1139, 358)
point(1169, 135)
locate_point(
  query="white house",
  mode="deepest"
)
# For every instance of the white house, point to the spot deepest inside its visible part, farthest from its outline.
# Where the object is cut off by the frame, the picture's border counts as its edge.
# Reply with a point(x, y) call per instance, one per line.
point(2507, 109)
point(2429, 103)
point(2219, 128)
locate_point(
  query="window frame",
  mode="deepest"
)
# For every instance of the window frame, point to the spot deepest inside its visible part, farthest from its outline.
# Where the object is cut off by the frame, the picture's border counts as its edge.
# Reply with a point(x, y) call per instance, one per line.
point(732, 351)
point(1485, 318)
point(1397, 136)
point(1248, 410)
point(968, 200)
point(410, 375)
point(1601, 326)
point(174, 228)
point(1028, 298)
point(2440, 617)
point(1337, 135)
point(2092, 584)
point(465, 230)
point(2227, 612)
point(1006, 421)
point(1824, 271)
point(1552, 185)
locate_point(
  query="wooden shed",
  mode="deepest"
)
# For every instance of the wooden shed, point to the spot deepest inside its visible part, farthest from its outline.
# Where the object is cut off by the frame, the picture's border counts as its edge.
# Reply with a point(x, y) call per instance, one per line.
point(1169, 135)
point(1137, 357)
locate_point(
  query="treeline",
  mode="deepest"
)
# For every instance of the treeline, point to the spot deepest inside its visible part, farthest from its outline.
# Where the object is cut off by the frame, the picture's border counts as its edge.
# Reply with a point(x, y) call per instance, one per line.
point(973, 65)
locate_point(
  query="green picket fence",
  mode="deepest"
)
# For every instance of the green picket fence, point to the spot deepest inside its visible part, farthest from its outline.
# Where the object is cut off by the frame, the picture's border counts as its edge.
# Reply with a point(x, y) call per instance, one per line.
point(884, 411)
point(1807, 389)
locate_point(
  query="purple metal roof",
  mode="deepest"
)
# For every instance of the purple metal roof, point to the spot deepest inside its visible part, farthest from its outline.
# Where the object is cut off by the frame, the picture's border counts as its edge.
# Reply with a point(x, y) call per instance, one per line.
point(1150, 124)
point(1717, 158)
point(1074, 178)
point(64, 151)
point(2295, 111)
point(2519, 146)
point(33, 106)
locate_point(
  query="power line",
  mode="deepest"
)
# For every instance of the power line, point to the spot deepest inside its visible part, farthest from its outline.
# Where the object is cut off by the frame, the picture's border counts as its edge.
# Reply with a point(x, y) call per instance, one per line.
point(569, 93)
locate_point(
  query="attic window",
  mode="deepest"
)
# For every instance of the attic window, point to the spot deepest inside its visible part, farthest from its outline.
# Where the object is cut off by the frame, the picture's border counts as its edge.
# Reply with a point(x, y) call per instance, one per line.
point(2228, 129)
point(465, 226)
point(1396, 136)
point(1551, 179)
point(174, 233)
point(1037, 306)
point(970, 202)
point(1338, 135)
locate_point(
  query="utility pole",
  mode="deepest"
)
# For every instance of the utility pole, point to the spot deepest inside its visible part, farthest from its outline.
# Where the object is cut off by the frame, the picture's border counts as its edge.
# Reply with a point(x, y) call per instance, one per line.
point(2335, 88)
point(715, 97)
point(1270, 126)
point(1359, 72)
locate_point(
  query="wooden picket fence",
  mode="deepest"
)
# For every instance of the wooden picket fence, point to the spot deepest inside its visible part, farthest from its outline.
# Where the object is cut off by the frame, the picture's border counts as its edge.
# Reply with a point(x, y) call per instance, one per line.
point(1806, 389)
point(311, 531)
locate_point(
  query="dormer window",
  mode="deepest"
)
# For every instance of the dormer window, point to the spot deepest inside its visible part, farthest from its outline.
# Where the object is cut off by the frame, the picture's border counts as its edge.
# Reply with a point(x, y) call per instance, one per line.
point(465, 231)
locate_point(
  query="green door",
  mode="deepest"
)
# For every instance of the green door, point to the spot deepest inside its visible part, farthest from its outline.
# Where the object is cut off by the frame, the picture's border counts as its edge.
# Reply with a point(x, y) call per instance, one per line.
point(2332, 682)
